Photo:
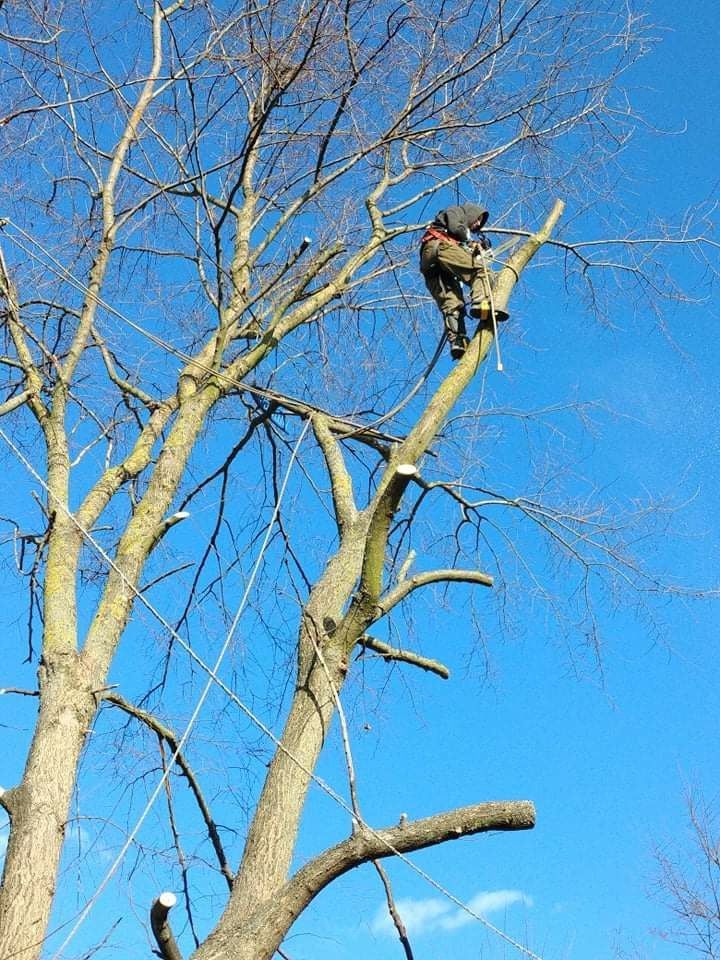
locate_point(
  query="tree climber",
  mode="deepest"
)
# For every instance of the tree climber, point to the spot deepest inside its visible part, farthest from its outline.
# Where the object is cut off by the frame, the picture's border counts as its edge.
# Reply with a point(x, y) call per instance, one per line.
point(448, 257)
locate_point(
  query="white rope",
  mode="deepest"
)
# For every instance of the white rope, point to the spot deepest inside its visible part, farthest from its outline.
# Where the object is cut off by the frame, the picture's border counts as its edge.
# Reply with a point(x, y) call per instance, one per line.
point(487, 283)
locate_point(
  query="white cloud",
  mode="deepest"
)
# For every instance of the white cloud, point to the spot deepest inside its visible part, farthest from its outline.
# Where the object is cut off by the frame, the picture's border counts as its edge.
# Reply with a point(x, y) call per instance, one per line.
point(418, 915)
point(425, 916)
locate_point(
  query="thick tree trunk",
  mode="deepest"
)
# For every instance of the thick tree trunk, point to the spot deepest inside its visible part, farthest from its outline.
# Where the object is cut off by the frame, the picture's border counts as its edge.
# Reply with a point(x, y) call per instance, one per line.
point(271, 840)
point(273, 832)
point(39, 806)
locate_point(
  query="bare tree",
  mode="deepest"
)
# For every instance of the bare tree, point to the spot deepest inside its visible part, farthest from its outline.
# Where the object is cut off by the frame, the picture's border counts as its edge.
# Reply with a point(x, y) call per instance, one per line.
point(209, 216)
point(688, 883)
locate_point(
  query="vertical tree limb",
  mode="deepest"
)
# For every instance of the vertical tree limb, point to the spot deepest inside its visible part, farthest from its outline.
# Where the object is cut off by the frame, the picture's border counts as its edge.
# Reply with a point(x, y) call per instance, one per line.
point(160, 925)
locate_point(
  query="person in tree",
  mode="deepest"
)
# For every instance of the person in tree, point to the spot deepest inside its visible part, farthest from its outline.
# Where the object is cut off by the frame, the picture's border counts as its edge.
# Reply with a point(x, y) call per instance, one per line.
point(449, 257)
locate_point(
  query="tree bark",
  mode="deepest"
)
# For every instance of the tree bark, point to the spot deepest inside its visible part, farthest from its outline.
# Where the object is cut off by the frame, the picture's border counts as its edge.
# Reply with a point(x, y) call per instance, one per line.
point(39, 807)
point(273, 832)
point(257, 935)
point(356, 571)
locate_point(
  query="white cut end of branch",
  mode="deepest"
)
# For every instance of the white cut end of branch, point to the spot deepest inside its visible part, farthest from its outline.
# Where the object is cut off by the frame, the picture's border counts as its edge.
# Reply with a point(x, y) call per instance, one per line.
point(406, 469)
point(2, 791)
point(180, 515)
point(167, 899)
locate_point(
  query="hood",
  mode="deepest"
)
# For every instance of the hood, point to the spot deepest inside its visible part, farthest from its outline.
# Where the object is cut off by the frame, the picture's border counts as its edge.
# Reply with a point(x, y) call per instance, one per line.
point(473, 212)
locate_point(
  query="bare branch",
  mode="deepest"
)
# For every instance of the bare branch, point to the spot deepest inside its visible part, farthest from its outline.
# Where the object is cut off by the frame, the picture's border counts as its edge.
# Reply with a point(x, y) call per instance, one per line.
point(125, 386)
point(404, 656)
point(17, 332)
point(171, 739)
point(405, 838)
point(406, 587)
point(99, 267)
point(393, 910)
point(340, 480)
point(17, 401)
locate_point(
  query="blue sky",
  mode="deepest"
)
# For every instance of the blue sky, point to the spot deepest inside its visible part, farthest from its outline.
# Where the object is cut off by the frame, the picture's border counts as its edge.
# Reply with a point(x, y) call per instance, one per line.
point(606, 760)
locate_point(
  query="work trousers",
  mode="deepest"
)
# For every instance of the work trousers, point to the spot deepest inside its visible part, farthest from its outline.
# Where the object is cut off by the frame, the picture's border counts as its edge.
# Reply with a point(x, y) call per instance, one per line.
point(445, 266)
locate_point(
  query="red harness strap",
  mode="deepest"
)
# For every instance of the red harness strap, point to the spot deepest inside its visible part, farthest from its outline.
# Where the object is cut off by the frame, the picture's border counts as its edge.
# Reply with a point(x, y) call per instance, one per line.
point(433, 233)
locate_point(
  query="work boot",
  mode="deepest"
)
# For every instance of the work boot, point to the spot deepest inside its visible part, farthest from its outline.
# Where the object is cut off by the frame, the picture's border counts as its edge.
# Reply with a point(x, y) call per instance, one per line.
point(458, 346)
point(482, 310)
point(456, 333)
point(455, 322)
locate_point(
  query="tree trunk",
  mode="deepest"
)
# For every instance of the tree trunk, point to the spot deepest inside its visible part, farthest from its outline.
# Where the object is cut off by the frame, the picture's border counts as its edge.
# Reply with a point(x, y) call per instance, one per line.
point(273, 832)
point(39, 806)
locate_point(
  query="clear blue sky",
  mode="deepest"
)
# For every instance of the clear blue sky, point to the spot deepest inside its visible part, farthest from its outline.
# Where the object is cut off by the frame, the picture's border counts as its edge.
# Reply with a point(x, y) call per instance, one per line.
point(606, 764)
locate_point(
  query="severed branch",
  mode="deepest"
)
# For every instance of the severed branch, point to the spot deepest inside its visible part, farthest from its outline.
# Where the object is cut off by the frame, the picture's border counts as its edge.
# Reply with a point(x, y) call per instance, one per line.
point(365, 845)
point(182, 862)
point(170, 738)
point(404, 656)
point(514, 265)
point(405, 587)
point(167, 946)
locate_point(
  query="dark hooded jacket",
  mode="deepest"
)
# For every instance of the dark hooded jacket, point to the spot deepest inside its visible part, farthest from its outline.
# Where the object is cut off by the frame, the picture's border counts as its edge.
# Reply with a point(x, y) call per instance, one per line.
point(456, 221)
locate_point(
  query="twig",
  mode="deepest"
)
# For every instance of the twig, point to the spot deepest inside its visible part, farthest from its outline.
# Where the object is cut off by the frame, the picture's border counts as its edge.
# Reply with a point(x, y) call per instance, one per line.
point(169, 736)
point(392, 908)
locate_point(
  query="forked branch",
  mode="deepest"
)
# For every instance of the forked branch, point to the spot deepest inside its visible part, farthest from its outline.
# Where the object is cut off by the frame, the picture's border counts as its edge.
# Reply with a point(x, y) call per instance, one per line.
point(169, 737)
